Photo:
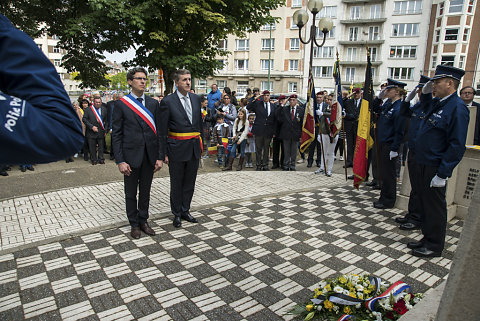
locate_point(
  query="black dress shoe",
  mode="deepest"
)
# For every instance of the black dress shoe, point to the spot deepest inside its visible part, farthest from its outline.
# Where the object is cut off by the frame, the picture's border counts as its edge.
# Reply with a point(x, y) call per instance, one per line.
point(318, 165)
point(258, 168)
point(409, 226)
point(348, 165)
point(414, 245)
point(309, 165)
point(381, 205)
point(371, 184)
point(3, 173)
point(265, 168)
point(177, 222)
point(401, 220)
point(135, 233)
point(285, 169)
point(189, 218)
point(424, 252)
point(112, 157)
point(147, 229)
point(94, 163)
point(376, 187)
point(101, 161)
point(275, 166)
point(351, 177)
point(292, 169)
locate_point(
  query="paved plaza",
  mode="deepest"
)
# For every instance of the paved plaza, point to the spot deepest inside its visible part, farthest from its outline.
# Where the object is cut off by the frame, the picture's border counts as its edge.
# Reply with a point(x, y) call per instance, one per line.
point(255, 252)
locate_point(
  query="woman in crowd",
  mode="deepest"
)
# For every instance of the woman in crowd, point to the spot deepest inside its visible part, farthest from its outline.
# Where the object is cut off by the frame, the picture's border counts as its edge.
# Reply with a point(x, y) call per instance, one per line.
point(240, 132)
point(328, 142)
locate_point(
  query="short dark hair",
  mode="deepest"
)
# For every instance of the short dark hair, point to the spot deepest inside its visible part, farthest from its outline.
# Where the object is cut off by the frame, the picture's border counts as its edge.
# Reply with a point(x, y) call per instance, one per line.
point(179, 72)
point(84, 101)
point(203, 99)
point(227, 96)
point(131, 73)
point(227, 90)
point(467, 87)
point(219, 116)
point(456, 83)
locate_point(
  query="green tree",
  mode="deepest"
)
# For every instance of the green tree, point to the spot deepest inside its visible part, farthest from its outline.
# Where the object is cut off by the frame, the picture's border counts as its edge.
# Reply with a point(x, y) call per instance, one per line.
point(167, 34)
point(118, 79)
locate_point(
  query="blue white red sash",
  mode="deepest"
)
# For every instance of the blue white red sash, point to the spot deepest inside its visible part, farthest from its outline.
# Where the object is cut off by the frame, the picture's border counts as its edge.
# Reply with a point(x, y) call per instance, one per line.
point(140, 110)
point(99, 118)
point(394, 290)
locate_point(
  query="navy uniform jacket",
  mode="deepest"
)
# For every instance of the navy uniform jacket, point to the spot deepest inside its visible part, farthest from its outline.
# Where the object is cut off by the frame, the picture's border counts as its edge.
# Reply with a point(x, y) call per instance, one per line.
point(476, 137)
point(390, 123)
point(131, 135)
point(90, 120)
point(173, 117)
point(442, 135)
point(264, 124)
point(291, 129)
point(37, 121)
point(416, 113)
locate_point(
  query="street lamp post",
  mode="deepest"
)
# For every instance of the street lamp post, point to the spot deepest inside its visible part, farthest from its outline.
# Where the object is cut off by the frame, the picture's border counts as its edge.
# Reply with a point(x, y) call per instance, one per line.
point(300, 18)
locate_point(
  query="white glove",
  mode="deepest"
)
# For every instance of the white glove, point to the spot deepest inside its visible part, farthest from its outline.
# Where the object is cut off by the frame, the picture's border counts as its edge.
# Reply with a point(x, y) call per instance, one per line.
point(438, 182)
point(382, 93)
point(428, 88)
point(411, 95)
point(319, 113)
point(393, 155)
point(319, 138)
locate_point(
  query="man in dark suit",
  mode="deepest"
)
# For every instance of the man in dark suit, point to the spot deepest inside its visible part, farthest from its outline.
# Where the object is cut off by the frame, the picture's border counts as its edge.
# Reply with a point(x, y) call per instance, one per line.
point(95, 120)
point(291, 119)
point(110, 107)
point(263, 128)
point(467, 94)
point(135, 146)
point(181, 144)
point(352, 111)
point(278, 154)
point(318, 107)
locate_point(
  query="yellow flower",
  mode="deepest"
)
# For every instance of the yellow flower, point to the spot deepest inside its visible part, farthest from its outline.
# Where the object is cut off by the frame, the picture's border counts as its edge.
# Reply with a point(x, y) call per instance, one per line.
point(328, 305)
point(353, 294)
point(347, 310)
point(328, 288)
point(342, 279)
point(309, 307)
point(317, 293)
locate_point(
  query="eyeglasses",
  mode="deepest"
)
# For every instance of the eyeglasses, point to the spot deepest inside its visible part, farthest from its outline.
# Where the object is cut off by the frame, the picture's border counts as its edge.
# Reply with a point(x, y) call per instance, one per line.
point(140, 78)
point(467, 93)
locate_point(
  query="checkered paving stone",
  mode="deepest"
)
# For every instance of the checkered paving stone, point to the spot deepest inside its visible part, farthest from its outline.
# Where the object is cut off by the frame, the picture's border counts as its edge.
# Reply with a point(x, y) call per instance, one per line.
point(250, 260)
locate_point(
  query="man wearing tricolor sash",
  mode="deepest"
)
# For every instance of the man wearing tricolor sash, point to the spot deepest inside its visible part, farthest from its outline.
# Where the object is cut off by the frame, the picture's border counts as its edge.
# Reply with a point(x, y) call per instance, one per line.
point(95, 120)
point(136, 148)
point(181, 145)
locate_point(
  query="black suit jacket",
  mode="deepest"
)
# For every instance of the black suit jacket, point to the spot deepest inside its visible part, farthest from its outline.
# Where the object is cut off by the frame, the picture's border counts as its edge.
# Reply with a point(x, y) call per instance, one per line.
point(173, 117)
point(131, 135)
point(351, 111)
point(476, 137)
point(90, 120)
point(264, 124)
point(291, 128)
point(110, 107)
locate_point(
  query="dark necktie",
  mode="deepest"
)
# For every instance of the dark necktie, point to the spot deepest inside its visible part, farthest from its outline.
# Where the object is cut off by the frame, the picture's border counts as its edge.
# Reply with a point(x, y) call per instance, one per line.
point(140, 99)
point(293, 112)
point(266, 108)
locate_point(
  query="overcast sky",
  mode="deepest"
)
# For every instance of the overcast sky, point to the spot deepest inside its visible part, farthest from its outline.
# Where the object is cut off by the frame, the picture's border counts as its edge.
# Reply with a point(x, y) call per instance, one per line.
point(120, 57)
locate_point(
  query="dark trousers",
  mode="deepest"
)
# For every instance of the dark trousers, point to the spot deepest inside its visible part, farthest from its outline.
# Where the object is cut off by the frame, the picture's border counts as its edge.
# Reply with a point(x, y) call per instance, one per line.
point(182, 185)
point(92, 145)
point(262, 150)
point(85, 148)
point(339, 146)
point(388, 194)
point(351, 135)
point(141, 177)
point(414, 208)
point(278, 153)
point(434, 209)
point(372, 160)
point(311, 149)
point(290, 150)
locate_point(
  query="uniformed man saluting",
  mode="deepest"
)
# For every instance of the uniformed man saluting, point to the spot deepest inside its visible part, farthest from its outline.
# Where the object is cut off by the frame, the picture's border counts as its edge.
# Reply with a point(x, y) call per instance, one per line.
point(439, 148)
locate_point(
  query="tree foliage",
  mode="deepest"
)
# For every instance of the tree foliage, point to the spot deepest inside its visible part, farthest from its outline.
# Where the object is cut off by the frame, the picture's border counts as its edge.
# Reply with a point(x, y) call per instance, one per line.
point(167, 34)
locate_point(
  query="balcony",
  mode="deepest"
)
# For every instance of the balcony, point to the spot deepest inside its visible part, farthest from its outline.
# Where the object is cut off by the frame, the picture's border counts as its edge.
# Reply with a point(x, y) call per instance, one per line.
point(361, 41)
point(350, 21)
point(358, 62)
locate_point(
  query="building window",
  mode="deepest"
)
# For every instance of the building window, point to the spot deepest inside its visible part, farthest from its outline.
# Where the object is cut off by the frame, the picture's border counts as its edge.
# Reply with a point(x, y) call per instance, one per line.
point(374, 70)
point(268, 26)
point(451, 34)
point(242, 44)
point(434, 62)
point(437, 35)
point(293, 65)
point(266, 64)
point(448, 60)
point(350, 74)
point(322, 71)
point(470, 6)
point(221, 84)
point(403, 51)
point(405, 29)
point(353, 34)
point(441, 7)
point(355, 12)
point(201, 83)
point(223, 64)
point(466, 31)
point(242, 86)
point(401, 73)
point(56, 50)
point(461, 62)
point(323, 52)
point(330, 34)
point(264, 85)
point(328, 11)
point(352, 54)
point(292, 87)
point(55, 37)
point(375, 11)
point(407, 7)
point(456, 6)
point(374, 33)
point(296, 3)
point(222, 44)
point(373, 53)
point(241, 64)
point(57, 62)
point(294, 44)
point(268, 44)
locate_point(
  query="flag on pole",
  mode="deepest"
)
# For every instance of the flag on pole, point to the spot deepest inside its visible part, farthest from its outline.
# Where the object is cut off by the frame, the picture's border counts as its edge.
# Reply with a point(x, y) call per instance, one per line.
point(337, 105)
point(364, 140)
point(308, 127)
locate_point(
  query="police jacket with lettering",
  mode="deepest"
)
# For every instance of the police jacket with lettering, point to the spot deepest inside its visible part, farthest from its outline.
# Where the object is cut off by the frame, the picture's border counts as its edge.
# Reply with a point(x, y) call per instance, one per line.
point(442, 135)
point(38, 124)
point(416, 113)
point(390, 123)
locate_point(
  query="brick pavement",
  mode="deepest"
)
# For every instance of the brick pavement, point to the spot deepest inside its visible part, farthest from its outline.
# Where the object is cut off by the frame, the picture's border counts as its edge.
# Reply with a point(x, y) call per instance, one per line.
point(246, 260)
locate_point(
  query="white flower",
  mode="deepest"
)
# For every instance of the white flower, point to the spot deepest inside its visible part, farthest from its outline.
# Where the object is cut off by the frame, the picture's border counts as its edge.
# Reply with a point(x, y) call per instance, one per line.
point(335, 308)
point(377, 315)
point(359, 288)
point(358, 306)
point(346, 292)
point(319, 307)
point(323, 284)
point(338, 289)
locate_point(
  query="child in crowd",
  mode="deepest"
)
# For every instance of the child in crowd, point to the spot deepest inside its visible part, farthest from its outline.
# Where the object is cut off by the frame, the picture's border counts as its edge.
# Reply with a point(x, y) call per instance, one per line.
point(240, 131)
point(250, 145)
point(221, 131)
point(207, 125)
